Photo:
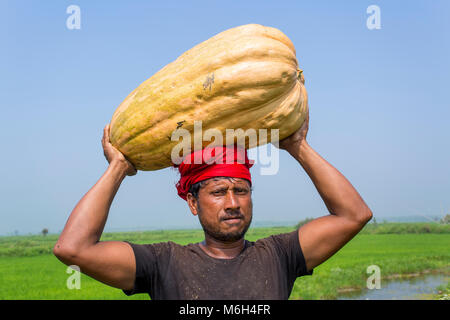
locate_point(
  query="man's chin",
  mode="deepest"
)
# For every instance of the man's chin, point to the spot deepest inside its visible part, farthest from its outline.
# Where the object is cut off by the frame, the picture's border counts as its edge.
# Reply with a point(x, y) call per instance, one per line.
point(231, 230)
point(226, 236)
point(237, 233)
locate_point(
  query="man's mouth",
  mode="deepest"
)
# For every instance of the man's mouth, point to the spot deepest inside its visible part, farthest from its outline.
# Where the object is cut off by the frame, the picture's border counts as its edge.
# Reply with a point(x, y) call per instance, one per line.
point(233, 219)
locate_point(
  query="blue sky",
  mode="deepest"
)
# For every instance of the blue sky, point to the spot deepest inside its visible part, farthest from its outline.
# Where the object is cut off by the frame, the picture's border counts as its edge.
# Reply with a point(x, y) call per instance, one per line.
point(379, 108)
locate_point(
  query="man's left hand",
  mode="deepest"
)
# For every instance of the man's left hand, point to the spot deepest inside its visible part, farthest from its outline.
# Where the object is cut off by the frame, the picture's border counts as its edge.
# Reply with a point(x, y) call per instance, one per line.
point(293, 142)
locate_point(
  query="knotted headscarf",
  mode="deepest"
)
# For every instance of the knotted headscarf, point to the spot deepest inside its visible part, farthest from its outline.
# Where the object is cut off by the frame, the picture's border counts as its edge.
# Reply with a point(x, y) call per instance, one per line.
point(225, 161)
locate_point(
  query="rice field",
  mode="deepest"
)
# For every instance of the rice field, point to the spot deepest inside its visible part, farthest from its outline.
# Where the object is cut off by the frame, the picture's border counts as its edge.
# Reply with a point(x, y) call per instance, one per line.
point(28, 269)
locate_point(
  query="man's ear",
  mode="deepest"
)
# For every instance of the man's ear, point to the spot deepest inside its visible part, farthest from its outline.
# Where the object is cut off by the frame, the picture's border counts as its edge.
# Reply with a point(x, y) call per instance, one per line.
point(192, 203)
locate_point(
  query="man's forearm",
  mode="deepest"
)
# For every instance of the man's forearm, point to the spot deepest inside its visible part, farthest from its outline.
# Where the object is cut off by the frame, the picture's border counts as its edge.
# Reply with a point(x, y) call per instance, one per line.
point(87, 220)
point(339, 195)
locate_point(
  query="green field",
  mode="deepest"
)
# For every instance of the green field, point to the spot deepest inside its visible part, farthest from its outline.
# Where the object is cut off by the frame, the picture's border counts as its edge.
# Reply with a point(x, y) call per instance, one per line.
point(28, 270)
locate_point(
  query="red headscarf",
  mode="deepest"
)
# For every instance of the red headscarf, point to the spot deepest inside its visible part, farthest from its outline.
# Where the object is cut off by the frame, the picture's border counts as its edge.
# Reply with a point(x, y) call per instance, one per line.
point(226, 161)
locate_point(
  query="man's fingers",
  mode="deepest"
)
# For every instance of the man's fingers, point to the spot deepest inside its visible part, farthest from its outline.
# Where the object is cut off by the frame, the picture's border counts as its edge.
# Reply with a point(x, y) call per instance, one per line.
point(106, 133)
point(105, 138)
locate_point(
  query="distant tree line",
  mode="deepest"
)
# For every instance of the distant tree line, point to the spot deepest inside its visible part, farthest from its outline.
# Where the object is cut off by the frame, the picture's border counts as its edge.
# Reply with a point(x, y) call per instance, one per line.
point(374, 227)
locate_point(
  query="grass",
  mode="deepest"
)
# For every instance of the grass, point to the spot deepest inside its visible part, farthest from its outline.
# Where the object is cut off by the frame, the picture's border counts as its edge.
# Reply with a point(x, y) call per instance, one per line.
point(394, 254)
point(443, 292)
point(28, 246)
point(44, 277)
point(28, 270)
point(405, 228)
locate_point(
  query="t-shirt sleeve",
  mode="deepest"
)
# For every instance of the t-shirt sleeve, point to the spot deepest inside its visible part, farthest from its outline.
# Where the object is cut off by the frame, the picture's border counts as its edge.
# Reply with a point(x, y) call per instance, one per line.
point(146, 268)
point(290, 252)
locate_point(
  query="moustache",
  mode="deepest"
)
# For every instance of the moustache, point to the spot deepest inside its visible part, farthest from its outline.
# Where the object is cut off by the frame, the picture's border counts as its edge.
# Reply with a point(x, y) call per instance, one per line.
point(232, 215)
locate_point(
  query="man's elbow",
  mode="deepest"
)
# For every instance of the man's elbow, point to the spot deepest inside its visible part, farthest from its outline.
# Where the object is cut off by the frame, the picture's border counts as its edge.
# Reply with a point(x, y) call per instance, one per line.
point(364, 216)
point(65, 253)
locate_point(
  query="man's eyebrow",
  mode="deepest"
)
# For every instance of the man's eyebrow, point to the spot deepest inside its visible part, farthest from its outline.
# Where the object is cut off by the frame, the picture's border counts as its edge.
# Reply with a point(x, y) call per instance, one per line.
point(218, 189)
point(222, 184)
point(233, 187)
point(244, 186)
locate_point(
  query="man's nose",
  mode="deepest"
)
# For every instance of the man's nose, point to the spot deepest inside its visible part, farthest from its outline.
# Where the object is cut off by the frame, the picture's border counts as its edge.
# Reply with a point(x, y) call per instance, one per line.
point(231, 201)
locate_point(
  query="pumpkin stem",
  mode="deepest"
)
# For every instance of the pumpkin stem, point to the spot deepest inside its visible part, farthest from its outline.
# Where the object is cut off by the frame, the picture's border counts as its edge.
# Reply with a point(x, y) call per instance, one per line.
point(300, 75)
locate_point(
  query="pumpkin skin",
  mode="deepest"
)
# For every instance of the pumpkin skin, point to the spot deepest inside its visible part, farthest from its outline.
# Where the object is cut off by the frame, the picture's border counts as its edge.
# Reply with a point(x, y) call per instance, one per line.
point(245, 77)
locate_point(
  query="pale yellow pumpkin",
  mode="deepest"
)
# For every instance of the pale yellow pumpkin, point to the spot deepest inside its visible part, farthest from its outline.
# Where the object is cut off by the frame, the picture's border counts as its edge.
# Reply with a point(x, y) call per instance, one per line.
point(245, 77)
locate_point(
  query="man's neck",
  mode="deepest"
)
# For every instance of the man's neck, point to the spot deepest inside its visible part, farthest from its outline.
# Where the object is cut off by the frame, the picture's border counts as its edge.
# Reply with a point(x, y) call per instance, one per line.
point(222, 250)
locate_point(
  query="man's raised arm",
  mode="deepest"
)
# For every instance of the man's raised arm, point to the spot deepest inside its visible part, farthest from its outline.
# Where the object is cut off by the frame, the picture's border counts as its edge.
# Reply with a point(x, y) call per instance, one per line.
point(111, 262)
point(324, 236)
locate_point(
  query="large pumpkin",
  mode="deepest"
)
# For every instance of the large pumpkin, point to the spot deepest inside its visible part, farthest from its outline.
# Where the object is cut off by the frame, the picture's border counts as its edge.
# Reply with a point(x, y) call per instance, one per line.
point(245, 77)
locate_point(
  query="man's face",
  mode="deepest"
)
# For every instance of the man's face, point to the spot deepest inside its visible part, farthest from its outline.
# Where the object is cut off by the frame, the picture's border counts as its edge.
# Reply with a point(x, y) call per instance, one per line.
point(224, 208)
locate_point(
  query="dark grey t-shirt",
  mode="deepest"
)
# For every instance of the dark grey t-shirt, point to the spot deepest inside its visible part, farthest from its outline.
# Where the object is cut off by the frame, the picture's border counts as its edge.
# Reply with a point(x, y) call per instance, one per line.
point(265, 269)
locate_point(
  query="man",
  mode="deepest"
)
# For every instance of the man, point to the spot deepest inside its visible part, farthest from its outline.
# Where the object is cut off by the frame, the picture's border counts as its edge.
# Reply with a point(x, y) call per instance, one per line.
point(224, 265)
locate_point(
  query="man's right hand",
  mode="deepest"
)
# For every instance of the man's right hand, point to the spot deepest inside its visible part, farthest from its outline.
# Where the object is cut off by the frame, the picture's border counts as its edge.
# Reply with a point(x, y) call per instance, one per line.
point(114, 155)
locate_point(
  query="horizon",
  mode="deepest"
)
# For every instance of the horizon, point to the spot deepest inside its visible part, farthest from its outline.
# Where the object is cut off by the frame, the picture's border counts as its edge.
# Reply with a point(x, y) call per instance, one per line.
point(254, 224)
